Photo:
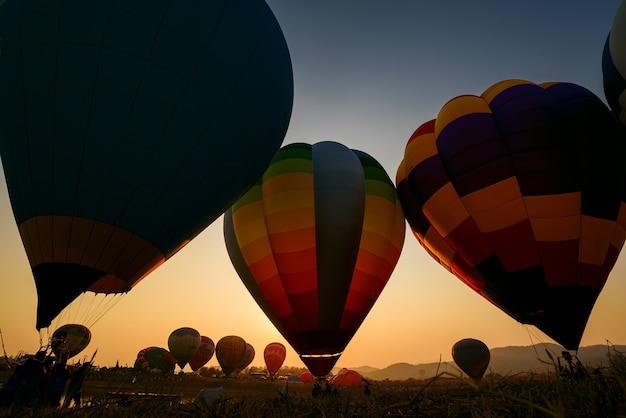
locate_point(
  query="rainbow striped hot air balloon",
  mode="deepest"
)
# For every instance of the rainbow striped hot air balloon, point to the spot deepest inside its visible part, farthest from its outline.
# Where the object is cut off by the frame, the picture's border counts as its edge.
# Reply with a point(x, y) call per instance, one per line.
point(315, 242)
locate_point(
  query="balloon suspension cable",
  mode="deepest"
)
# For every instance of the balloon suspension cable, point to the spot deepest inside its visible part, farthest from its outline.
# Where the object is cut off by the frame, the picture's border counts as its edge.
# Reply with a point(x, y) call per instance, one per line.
point(532, 343)
point(537, 336)
point(87, 309)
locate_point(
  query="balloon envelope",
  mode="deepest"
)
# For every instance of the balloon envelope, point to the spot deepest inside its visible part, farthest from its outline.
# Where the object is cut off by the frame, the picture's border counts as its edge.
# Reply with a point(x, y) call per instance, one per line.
point(246, 359)
point(75, 338)
point(347, 377)
point(472, 356)
point(133, 127)
point(230, 351)
point(203, 354)
point(307, 377)
point(183, 344)
point(274, 355)
point(520, 194)
point(614, 64)
point(315, 242)
point(155, 360)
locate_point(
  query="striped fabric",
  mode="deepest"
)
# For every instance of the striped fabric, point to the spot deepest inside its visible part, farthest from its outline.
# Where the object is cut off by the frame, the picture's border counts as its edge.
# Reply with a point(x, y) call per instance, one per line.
point(520, 193)
point(315, 242)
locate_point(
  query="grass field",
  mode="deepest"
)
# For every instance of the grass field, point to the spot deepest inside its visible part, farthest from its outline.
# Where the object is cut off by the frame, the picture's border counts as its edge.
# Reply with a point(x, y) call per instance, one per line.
point(602, 393)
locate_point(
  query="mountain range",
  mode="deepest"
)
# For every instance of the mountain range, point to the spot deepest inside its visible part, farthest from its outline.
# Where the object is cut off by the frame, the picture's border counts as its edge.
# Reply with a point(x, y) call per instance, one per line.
point(506, 361)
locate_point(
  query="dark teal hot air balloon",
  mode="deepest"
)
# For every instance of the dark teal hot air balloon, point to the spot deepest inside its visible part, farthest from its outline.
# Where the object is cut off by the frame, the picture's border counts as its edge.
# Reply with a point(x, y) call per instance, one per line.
point(127, 127)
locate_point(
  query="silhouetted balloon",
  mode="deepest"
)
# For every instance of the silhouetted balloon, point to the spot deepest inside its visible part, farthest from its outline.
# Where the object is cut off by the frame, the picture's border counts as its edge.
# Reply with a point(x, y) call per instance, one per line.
point(347, 377)
point(155, 360)
point(69, 340)
point(614, 64)
point(183, 344)
point(472, 356)
point(520, 194)
point(315, 242)
point(230, 352)
point(133, 126)
point(203, 354)
point(307, 377)
point(274, 356)
point(246, 359)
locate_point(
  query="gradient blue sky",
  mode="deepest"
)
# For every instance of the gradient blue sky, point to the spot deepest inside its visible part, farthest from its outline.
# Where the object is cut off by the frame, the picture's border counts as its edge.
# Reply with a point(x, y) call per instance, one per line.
point(366, 73)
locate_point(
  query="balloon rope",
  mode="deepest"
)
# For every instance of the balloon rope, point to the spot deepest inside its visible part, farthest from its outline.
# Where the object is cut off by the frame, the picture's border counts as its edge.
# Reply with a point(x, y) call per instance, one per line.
point(105, 306)
point(87, 309)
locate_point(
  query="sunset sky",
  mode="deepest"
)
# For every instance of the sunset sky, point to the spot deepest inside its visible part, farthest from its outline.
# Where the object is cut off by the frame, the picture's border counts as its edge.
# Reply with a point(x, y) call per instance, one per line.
point(367, 74)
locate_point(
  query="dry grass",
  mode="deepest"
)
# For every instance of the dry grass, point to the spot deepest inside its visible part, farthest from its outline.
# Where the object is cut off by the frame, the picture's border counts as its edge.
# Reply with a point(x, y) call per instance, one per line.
point(601, 394)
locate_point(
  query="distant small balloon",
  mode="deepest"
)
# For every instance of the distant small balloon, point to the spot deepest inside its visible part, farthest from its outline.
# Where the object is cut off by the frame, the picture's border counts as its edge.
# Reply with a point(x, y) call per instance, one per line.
point(183, 344)
point(472, 356)
point(347, 377)
point(203, 354)
point(307, 377)
point(274, 356)
point(155, 360)
point(230, 351)
point(246, 359)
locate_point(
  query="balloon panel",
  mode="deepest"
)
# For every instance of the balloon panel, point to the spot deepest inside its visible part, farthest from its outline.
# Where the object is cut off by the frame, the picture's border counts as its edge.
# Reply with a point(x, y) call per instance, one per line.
point(519, 193)
point(119, 145)
point(315, 241)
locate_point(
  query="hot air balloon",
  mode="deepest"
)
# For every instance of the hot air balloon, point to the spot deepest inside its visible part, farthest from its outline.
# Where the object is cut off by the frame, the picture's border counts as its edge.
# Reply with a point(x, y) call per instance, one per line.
point(69, 340)
point(315, 241)
point(203, 354)
point(133, 126)
point(520, 194)
point(230, 352)
point(274, 355)
point(472, 356)
point(614, 64)
point(347, 377)
point(307, 377)
point(246, 359)
point(183, 344)
point(155, 360)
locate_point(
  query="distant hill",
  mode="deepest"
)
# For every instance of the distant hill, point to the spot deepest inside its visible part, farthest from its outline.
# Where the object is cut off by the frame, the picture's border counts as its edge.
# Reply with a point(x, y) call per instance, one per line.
point(504, 361)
